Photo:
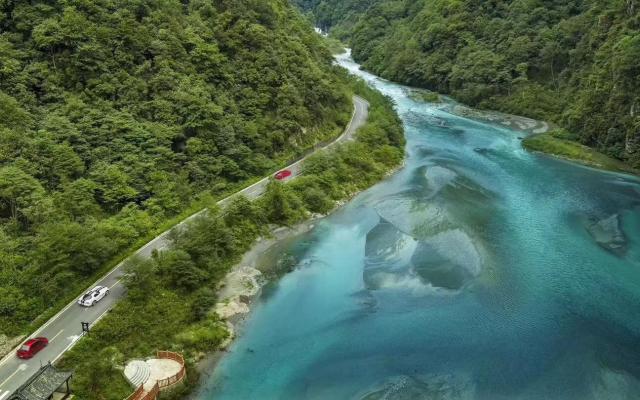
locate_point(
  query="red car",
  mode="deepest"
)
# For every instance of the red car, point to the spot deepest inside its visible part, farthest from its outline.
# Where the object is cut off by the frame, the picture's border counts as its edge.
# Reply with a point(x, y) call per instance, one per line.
point(284, 174)
point(32, 346)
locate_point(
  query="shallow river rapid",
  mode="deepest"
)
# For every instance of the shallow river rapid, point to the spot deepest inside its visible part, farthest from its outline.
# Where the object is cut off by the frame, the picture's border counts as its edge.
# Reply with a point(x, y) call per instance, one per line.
point(478, 271)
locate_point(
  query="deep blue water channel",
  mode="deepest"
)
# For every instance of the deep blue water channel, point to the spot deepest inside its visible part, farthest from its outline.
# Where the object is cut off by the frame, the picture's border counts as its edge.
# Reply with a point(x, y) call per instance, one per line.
point(478, 271)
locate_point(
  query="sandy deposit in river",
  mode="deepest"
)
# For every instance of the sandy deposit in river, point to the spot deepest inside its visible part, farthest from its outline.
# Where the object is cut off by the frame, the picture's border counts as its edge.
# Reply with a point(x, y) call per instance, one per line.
point(243, 283)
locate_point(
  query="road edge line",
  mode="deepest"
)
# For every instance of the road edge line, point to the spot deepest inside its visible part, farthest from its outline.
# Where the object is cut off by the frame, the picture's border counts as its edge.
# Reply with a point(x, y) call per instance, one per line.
point(162, 234)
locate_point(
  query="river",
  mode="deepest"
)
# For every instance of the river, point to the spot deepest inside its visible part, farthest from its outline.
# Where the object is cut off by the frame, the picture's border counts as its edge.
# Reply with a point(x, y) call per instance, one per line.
point(478, 271)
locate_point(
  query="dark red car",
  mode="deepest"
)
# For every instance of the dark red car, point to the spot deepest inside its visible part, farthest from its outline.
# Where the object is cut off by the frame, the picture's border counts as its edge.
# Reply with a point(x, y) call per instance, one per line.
point(284, 174)
point(32, 346)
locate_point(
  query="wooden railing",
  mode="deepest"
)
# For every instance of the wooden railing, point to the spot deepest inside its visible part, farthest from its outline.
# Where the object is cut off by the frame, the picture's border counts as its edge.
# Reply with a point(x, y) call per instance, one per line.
point(152, 394)
point(137, 395)
point(172, 380)
point(141, 394)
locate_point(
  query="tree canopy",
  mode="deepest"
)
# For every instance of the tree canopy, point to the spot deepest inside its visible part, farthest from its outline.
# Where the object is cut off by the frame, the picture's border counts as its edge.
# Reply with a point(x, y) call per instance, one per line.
point(170, 296)
point(572, 62)
point(116, 115)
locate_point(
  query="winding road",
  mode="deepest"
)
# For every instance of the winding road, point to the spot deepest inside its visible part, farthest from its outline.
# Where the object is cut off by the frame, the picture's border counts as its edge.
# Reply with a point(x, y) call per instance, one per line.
point(64, 329)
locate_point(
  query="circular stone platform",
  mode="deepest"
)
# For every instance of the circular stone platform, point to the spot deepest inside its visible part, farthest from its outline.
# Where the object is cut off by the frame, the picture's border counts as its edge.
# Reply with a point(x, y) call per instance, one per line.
point(148, 372)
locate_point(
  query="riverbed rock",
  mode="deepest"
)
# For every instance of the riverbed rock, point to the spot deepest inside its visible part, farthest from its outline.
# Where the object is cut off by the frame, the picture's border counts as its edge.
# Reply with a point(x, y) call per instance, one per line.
point(387, 255)
point(236, 291)
point(240, 281)
point(447, 260)
point(231, 307)
point(607, 232)
point(412, 214)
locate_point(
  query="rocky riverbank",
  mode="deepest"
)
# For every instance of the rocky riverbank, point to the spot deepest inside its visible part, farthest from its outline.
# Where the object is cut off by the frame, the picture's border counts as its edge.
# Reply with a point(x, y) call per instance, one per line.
point(243, 283)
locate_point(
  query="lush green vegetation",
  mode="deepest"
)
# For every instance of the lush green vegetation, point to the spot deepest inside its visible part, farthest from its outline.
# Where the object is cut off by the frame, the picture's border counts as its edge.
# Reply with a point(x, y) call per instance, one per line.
point(337, 16)
point(429, 97)
point(562, 144)
point(119, 115)
point(170, 296)
point(574, 63)
point(334, 45)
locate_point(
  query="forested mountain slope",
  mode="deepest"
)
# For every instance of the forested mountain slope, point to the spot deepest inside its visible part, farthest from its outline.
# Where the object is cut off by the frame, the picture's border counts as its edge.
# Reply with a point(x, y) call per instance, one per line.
point(573, 62)
point(116, 114)
point(338, 16)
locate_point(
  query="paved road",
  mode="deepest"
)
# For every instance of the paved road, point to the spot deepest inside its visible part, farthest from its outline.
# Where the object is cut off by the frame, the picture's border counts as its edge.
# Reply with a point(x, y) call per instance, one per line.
point(65, 328)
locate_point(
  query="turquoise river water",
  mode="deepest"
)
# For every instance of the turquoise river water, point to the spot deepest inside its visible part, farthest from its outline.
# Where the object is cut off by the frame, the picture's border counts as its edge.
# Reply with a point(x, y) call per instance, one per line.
point(478, 271)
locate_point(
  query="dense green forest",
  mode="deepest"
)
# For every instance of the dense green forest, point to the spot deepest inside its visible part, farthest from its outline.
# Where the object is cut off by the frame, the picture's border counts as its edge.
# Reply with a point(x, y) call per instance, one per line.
point(117, 115)
point(170, 296)
point(572, 62)
point(336, 16)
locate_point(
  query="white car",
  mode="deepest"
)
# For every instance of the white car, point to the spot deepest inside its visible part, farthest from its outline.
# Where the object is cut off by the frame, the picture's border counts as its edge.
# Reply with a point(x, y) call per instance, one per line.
point(93, 296)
